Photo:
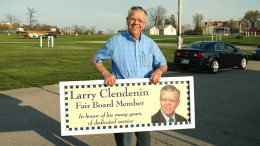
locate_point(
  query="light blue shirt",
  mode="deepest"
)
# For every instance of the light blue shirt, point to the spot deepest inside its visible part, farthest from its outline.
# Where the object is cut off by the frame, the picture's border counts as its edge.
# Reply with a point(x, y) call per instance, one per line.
point(131, 59)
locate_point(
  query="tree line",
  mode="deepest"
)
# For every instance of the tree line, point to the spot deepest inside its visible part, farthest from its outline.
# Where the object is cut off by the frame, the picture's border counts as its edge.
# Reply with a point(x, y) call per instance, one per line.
point(156, 17)
point(14, 23)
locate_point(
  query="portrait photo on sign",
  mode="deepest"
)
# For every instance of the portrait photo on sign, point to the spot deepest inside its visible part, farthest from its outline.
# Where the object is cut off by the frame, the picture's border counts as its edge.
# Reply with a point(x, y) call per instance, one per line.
point(169, 101)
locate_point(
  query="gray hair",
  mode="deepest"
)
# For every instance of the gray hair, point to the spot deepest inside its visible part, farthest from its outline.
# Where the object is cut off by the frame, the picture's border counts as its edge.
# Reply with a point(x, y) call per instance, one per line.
point(137, 8)
point(170, 88)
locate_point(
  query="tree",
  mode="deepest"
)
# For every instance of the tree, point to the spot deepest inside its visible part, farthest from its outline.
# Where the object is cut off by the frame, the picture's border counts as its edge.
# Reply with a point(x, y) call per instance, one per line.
point(4, 27)
point(91, 30)
point(31, 16)
point(110, 31)
point(171, 21)
point(198, 22)
point(186, 29)
point(157, 15)
point(251, 18)
point(79, 29)
point(37, 26)
point(13, 20)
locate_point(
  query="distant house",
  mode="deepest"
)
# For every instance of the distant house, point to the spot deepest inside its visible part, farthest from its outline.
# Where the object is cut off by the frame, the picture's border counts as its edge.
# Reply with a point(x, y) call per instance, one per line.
point(122, 30)
point(153, 30)
point(222, 27)
point(222, 30)
point(167, 30)
point(100, 32)
point(150, 30)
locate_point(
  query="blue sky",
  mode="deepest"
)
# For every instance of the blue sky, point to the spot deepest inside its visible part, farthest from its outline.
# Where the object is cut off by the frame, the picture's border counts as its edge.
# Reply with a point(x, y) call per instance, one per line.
point(104, 14)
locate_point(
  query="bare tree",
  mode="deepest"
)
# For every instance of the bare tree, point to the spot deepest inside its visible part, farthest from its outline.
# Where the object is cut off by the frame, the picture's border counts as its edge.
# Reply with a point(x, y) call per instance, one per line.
point(251, 18)
point(171, 20)
point(13, 20)
point(79, 29)
point(186, 27)
point(31, 16)
point(198, 23)
point(110, 31)
point(157, 15)
point(91, 30)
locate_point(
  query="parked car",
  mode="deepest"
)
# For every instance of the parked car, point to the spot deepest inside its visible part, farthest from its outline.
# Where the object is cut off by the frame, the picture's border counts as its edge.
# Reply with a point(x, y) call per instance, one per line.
point(256, 53)
point(210, 55)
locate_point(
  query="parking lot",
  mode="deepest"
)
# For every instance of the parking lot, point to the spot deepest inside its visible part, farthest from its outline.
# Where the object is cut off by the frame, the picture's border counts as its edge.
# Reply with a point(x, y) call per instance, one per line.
point(226, 113)
point(226, 106)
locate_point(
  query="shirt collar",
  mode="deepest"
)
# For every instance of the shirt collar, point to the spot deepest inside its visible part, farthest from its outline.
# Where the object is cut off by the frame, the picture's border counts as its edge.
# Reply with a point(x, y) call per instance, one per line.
point(167, 118)
point(129, 37)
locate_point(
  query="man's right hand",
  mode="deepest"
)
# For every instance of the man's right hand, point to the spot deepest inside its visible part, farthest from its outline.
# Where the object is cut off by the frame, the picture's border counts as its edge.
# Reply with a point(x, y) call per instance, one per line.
point(109, 79)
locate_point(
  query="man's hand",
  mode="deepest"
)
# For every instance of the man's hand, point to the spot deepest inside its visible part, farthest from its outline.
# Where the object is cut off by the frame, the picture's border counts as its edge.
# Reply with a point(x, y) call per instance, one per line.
point(109, 79)
point(157, 74)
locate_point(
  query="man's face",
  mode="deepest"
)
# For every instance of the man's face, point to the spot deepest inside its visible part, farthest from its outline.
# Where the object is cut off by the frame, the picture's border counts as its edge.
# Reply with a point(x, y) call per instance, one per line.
point(136, 22)
point(169, 102)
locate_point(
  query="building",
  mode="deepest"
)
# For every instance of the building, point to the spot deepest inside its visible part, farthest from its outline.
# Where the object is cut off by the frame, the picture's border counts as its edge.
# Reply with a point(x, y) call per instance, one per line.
point(167, 30)
point(150, 30)
point(222, 27)
point(153, 30)
point(122, 30)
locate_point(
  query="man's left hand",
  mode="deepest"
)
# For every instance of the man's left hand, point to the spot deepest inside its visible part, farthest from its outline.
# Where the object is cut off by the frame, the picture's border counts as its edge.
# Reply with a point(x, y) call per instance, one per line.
point(156, 76)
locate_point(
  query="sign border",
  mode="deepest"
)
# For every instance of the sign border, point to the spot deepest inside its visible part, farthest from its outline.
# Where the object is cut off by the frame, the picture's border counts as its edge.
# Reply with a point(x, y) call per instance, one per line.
point(191, 103)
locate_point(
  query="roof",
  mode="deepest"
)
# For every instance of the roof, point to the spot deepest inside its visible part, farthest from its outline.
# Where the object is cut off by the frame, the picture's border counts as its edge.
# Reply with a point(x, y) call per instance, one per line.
point(222, 22)
point(121, 30)
point(164, 26)
point(149, 27)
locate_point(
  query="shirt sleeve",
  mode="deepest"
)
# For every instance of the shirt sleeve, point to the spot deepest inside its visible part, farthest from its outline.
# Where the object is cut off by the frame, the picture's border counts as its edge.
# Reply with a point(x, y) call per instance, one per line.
point(158, 57)
point(104, 53)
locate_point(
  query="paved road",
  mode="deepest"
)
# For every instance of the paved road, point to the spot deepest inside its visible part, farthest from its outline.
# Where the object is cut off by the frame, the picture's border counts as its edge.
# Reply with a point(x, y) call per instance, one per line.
point(226, 107)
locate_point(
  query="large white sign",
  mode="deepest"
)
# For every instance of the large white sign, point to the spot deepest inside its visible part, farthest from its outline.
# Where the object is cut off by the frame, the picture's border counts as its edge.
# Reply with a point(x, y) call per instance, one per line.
point(90, 107)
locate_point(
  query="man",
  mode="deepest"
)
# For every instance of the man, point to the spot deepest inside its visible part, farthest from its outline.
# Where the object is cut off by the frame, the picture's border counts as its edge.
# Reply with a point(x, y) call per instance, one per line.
point(169, 99)
point(133, 55)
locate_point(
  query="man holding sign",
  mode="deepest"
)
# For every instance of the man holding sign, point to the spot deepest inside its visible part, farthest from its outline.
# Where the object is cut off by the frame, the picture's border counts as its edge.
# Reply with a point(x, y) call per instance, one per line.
point(133, 55)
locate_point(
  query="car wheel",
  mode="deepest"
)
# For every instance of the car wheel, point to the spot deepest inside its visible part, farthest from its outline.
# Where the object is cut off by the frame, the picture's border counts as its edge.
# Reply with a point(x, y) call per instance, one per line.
point(214, 66)
point(243, 63)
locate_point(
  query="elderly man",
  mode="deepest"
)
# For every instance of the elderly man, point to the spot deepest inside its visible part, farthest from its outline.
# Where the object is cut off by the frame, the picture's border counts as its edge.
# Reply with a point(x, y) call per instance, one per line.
point(169, 99)
point(133, 55)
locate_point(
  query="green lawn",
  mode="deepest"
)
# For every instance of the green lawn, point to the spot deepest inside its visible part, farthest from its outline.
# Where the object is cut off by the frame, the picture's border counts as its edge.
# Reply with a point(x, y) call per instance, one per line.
point(24, 64)
point(27, 65)
point(245, 41)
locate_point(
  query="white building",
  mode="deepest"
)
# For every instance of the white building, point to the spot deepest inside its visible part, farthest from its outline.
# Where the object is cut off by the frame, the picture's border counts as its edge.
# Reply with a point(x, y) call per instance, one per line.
point(167, 30)
point(150, 30)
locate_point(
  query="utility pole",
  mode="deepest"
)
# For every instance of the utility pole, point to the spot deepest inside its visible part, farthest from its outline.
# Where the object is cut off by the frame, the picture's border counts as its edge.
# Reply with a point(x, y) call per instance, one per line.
point(179, 39)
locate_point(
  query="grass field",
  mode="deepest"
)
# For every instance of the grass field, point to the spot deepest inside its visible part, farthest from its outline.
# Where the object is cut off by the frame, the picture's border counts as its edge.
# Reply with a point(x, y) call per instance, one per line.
point(24, 64)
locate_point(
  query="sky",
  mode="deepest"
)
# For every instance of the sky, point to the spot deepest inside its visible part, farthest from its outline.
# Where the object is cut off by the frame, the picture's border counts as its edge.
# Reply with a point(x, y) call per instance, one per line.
point(110, 15)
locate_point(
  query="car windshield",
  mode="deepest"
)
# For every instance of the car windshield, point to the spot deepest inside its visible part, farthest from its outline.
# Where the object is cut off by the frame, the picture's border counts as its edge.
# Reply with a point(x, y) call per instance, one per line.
point(198, 45)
